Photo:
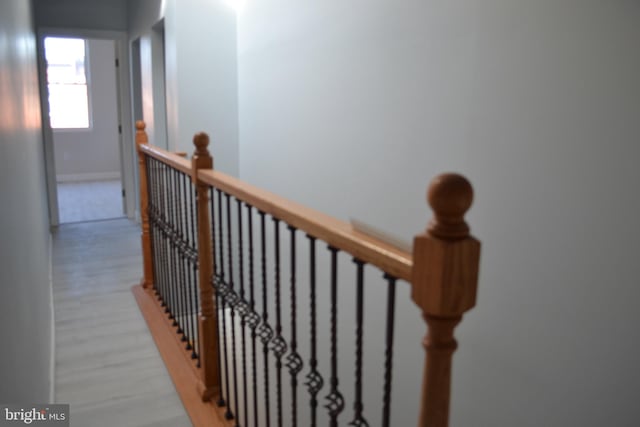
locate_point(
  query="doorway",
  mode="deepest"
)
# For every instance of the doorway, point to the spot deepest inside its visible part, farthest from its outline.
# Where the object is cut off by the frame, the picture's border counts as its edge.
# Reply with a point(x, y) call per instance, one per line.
point(89, 166)
point(83, 113)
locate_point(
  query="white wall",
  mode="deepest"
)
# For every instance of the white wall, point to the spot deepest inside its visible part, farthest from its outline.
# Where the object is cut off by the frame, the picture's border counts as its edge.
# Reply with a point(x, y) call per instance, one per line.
point(25, 307)
point(201, 73)
point(93, 152)
point(143, 16)
point(538, 103)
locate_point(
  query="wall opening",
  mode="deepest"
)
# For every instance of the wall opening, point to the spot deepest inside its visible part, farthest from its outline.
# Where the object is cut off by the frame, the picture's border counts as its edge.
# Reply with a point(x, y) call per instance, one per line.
point(83, 101)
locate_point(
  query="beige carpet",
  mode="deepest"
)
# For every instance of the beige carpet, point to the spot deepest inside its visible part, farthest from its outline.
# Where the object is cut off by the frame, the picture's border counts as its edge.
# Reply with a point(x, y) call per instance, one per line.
point(89, 201)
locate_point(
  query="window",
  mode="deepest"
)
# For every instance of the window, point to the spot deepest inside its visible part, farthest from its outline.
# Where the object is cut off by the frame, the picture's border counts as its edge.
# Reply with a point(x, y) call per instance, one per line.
point(67, 81)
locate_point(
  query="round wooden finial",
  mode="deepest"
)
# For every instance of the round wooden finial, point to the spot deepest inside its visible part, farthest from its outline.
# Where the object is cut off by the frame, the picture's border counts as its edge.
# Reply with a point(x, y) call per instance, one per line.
point(201, 141)
point(450, 196)
point(140, 125)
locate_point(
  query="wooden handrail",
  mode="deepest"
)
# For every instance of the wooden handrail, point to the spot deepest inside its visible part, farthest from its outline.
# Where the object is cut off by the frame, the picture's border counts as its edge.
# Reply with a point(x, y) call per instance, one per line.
point(335, 232)
point(174, 160)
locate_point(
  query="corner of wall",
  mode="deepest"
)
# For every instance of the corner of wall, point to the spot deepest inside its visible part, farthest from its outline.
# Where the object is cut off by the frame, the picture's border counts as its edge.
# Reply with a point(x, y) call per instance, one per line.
point(52, 362)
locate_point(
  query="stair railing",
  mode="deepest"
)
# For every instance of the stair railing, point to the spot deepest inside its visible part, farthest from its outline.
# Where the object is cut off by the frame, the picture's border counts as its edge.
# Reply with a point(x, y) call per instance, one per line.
point(207, 273)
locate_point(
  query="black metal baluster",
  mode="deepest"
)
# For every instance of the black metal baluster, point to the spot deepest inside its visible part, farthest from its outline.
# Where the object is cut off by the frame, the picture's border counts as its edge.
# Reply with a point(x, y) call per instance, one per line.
point(150, 195)
point(168, 239)
point(167, 243)
point(189, 245)
point(216, 267)
point(224, 289)
point(160, 211)
point(176, 253)
point(170, 304)
point(181, 257)
point(358, 419)
point(388, 359)
point(220, 237)
point(242, 311)
point(253, 319)
point(335, 400)
point(152, 222)
point(294, 361)
point(162, 239)
point(231, 299)
point(195, 354)
point(264, 330)
point(186, 263)
point(314, 381)
point(215, 283)
point(157, 232)
point(171, 263)
point(278, 344)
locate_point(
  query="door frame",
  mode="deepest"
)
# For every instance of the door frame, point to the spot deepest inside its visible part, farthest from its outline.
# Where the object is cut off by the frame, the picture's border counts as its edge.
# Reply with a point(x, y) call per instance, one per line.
point(121, 43)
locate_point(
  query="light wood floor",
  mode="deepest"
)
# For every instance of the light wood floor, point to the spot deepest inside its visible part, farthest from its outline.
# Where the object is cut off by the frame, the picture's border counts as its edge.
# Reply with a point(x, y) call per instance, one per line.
point(107, 366)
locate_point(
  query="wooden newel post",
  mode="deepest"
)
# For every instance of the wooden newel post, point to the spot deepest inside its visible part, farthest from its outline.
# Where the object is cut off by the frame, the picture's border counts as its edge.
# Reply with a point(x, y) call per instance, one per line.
point(445, 277)
point(208, 323)
point(145, 236)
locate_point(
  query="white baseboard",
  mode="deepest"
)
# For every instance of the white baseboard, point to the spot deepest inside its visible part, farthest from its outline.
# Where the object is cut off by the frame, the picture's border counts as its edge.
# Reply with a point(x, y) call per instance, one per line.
point(52, 366)
point(95, 176)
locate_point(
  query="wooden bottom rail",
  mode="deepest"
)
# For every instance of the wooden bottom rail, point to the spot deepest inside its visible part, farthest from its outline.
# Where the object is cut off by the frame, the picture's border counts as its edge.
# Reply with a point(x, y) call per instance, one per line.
point(180, 366)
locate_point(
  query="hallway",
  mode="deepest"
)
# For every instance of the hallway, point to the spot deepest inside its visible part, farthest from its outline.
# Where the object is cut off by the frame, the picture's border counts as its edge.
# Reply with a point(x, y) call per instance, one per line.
point(107, 366)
